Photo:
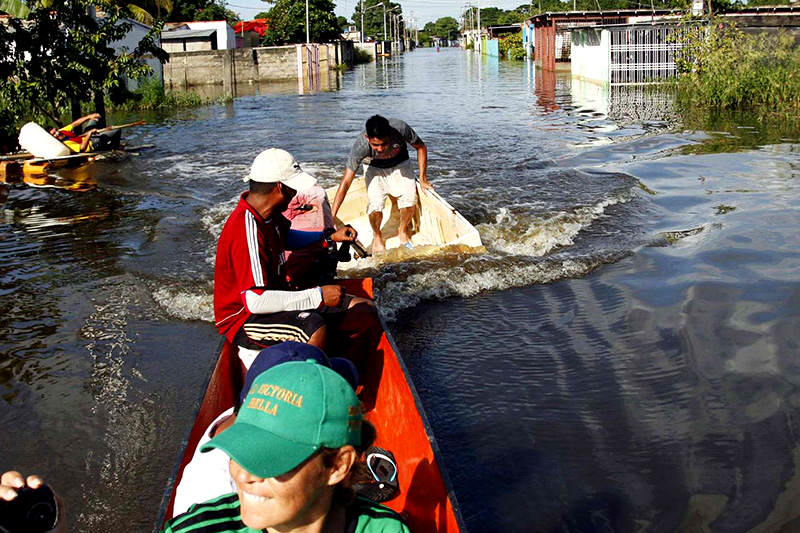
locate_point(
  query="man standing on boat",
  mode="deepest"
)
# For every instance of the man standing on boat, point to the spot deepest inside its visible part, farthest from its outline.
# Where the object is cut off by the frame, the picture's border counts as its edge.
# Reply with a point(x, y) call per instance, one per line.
point(387, 172)
point(254, 306)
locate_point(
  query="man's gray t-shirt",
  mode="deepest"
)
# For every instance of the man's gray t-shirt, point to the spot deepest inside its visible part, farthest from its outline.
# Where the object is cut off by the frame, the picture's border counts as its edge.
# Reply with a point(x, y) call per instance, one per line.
point(400, 134)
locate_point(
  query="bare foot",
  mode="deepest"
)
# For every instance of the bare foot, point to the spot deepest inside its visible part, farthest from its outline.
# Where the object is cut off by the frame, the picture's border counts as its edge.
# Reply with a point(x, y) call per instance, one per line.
point(403, 237)
point(377, 244)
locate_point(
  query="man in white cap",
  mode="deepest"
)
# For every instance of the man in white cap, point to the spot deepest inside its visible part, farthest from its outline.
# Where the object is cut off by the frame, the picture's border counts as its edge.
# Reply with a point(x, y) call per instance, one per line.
point(253, 305)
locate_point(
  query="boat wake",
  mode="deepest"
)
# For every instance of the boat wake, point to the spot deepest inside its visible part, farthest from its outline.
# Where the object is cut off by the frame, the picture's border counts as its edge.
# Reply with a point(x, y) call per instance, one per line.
point(523, 246)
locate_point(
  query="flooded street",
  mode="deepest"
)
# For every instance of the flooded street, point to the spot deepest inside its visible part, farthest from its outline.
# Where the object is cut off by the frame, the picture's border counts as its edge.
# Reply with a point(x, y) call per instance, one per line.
point(622, 358)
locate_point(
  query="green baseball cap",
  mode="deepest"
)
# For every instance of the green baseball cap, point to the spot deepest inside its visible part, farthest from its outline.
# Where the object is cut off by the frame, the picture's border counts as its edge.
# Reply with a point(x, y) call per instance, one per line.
point(292, 410)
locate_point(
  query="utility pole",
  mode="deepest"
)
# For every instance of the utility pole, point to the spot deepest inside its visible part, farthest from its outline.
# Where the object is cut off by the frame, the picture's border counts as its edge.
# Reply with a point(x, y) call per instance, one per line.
point(362, 21)
point(384, 20)
point(480, 40)
point(308, 30)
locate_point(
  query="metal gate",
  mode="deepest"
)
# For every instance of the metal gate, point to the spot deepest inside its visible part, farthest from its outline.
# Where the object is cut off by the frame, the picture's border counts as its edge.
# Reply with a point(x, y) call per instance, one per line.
point(643, 54)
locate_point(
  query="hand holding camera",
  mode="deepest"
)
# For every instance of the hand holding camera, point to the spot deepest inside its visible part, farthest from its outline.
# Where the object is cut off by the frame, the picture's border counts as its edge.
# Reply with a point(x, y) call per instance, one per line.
point(26, 504)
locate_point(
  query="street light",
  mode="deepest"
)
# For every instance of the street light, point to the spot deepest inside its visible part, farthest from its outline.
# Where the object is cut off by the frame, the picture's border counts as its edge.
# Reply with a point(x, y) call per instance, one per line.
point(362, 19)
point(390, 19)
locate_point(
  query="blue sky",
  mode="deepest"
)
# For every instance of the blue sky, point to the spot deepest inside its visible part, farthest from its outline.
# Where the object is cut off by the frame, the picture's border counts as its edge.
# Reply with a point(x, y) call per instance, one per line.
point(423, 10)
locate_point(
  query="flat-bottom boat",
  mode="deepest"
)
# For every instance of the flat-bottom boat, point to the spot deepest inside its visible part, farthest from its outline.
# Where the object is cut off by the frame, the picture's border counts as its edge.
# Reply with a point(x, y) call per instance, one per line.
point(426, 498)
point(436, 227)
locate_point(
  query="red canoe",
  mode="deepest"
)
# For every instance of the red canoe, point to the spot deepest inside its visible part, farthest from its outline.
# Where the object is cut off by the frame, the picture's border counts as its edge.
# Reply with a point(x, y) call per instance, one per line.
point(426, 497)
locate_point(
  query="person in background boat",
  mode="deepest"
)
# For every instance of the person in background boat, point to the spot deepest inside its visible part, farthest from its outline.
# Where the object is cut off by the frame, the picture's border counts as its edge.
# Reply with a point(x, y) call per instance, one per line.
point(253, 305)
point(81, 135)
point(292, 451)
point(207, 475)
point(388, 172)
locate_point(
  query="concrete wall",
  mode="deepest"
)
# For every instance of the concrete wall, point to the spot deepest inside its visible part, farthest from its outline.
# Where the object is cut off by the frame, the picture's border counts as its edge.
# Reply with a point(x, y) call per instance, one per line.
point(226, 38)
point(252, 65)
point(370, 48)
point(591, 55)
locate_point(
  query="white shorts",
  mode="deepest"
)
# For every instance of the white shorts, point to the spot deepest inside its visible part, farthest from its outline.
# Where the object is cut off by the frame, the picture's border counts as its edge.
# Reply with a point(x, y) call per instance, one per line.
point(397, 181)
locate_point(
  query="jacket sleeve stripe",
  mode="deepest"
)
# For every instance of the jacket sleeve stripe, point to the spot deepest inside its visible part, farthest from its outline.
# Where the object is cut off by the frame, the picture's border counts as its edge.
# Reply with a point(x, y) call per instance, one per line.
point(252, 246)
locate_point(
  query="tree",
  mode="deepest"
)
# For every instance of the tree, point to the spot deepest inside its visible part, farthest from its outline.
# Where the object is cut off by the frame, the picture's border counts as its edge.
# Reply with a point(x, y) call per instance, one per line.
point(215, 11)
point(444, 28)
point(188, 10)
point(424, 38)
point(373, 17)
point(149, 12)
point(62, 53)
point(343, 23)
point(286, 22)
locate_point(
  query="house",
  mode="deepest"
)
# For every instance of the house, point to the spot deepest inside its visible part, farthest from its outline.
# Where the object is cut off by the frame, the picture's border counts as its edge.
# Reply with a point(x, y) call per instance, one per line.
point(198, 35)
point(351, 34)
point(552, 39)
point(188, 40)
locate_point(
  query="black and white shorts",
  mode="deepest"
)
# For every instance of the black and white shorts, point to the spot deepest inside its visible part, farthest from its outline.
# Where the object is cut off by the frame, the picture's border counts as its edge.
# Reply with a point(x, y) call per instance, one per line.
point(261, 331)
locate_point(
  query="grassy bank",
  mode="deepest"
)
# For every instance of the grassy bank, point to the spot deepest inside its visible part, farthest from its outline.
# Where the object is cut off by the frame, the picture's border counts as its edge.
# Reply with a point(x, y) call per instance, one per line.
point(726, 68)
point(151, 95)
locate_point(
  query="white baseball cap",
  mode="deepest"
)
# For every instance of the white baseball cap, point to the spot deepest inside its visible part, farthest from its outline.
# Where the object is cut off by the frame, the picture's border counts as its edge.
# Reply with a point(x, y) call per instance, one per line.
point(275, 165)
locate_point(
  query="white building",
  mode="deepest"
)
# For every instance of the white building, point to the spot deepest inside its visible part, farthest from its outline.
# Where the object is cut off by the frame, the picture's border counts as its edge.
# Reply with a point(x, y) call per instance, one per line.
point(226, 38)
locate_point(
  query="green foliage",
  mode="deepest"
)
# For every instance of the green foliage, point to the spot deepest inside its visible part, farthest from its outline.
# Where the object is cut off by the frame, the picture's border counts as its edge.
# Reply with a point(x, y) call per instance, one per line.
point(443, 28)
point(287, 22)
point(493, 16)
point(343, 23)
point(62, 53)
point(424, 38)
point(16, 8)
point(361, 56)
point(726, 68)
point(151, 95)
point(373, 18)
point(511, 47)
point(215, 11)
point(148, 11)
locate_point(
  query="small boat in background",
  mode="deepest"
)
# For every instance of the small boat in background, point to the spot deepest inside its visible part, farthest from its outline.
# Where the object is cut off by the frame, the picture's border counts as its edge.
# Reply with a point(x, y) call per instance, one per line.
point(437, 227)
point(426, 499)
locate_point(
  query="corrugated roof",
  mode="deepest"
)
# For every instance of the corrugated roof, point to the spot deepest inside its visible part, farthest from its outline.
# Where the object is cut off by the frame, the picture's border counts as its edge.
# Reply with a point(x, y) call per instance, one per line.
point(186, 34)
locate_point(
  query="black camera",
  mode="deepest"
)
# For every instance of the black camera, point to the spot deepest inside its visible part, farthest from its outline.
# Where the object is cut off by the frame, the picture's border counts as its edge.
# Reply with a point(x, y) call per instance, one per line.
point(32, 511)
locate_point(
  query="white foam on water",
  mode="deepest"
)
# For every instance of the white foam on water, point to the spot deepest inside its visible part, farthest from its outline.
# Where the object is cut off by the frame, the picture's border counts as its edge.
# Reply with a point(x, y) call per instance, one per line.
point(439, 284)
point(186, 304)
point(522, 234)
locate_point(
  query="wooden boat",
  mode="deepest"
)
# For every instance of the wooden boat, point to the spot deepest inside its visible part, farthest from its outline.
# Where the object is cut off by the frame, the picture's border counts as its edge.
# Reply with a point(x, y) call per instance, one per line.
point(426, 498)
point(436, 227)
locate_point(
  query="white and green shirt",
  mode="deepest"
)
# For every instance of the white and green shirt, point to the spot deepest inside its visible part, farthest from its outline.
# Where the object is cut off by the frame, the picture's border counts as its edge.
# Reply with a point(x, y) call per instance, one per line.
point(222, 515)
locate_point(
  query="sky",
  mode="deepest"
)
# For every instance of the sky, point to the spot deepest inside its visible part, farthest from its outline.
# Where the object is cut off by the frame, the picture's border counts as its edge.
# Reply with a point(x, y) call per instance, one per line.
point(423, 10)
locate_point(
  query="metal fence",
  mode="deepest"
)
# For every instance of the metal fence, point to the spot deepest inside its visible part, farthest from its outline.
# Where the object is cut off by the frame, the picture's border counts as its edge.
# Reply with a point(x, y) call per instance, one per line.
point(644, 54)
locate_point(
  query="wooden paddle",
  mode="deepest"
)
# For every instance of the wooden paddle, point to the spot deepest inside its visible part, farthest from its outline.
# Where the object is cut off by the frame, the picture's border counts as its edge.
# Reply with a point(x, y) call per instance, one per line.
point(111, 128)
point(14, 157)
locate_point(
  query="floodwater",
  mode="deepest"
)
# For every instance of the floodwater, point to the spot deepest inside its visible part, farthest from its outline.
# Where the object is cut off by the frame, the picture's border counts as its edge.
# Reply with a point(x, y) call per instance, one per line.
point(623, 358)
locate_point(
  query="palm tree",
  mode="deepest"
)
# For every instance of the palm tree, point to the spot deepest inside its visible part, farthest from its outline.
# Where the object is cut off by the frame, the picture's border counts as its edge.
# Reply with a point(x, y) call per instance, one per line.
point(146, 11)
